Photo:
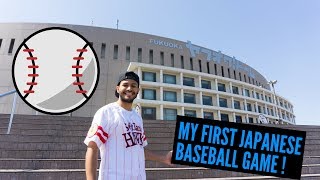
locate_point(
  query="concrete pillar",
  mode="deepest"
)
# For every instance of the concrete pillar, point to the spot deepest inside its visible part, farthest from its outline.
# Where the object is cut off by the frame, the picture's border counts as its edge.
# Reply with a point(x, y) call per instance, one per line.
point(161, 94)
point(161, 76)
point(161, 111)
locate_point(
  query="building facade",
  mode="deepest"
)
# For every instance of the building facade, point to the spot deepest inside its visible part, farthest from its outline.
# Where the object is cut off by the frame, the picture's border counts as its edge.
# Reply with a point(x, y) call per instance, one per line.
point(177, 78)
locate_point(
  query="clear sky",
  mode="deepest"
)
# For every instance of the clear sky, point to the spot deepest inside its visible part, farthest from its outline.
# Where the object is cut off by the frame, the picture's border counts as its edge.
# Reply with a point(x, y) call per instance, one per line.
point(280, 39)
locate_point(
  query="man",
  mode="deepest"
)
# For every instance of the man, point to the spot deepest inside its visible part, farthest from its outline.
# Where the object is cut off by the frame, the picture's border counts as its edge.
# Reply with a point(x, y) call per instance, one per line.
point(117, 131)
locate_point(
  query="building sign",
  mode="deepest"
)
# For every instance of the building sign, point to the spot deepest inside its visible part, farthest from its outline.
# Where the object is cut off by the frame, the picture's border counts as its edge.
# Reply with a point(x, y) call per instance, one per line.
point(218, 57)
point(165, 43)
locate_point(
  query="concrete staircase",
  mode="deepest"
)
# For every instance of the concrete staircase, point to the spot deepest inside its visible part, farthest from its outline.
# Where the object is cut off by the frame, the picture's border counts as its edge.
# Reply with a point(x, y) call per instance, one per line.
point(51, 147)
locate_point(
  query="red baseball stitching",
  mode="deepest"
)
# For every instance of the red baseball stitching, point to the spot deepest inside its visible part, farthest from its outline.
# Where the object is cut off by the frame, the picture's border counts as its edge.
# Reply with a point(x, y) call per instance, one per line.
point(34, 67)
point(77, 67)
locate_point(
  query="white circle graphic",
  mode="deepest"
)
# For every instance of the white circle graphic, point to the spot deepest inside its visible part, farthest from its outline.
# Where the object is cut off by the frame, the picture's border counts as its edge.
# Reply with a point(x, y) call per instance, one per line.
point(55, 70)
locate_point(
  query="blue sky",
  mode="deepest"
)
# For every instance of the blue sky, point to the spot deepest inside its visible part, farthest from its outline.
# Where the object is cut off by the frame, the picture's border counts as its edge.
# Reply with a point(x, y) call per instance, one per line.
point(280, 39)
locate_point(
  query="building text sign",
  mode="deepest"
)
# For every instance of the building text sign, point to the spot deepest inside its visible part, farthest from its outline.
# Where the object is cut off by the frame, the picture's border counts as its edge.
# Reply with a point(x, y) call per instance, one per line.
point(211, 55)
point(218, 57)
point(238, 147)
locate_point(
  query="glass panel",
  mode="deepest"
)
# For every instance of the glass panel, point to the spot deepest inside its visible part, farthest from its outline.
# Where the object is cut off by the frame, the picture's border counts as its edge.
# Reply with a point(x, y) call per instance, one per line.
point(171, 79)
point(103, 51)
point(169, 114)
point(11, 46)
point(235, 90)
point(190, 113)
point(148, 113)
point(188, 81)
point(224, 117)
point(139, 54)
point(151, 56)
point(170, 96)
point(221, 87)
point(223, 102)
point(208, 115)
point(128, 53)
point(207, 100)
point(205, 84)
point(189, 98)
point(115, 52)
point(161, 58)
point(236, 104)
point(238, 119)
point(149, 94)
point(249, 108)
point(247, 92)
point(149, 76)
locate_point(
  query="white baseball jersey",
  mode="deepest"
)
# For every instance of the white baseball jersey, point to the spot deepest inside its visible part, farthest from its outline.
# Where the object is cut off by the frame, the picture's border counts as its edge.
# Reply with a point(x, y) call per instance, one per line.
point(120, 137)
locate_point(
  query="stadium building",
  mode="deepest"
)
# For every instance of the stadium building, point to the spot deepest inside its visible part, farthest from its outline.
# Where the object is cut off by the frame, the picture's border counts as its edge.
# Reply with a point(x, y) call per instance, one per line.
point(177, 78)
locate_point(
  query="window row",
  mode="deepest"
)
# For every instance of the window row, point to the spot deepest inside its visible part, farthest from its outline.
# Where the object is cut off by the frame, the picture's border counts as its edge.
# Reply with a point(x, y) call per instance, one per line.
point(150, 94)
point(188, 81)
point(171, 114)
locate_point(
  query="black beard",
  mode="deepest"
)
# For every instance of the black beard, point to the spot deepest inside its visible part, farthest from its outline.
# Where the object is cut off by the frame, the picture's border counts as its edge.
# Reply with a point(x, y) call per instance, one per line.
point(127, 100)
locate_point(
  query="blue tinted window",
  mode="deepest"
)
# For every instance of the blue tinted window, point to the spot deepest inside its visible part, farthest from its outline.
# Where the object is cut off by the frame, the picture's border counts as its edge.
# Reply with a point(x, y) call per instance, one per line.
point(171, 79)
point(170, 96)
point(188, 81)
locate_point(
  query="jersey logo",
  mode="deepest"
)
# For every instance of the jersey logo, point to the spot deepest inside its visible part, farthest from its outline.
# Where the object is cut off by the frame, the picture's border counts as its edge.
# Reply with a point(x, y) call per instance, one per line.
point(92, 131)
point(134, 135)
point(133, 138)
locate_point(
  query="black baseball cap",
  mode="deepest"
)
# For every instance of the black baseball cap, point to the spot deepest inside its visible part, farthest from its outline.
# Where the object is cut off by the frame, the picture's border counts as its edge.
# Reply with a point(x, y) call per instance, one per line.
point(125, 76)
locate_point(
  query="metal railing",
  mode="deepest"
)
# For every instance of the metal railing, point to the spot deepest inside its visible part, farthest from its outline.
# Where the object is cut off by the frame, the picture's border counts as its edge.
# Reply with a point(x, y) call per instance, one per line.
point(13, 106)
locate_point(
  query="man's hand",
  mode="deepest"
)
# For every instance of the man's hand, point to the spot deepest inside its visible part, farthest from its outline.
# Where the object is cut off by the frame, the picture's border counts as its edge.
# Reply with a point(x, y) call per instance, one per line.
point(167, 159)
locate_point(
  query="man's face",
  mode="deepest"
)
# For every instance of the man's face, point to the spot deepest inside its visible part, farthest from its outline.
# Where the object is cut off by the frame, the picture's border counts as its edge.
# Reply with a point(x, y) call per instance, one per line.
point(128, 90)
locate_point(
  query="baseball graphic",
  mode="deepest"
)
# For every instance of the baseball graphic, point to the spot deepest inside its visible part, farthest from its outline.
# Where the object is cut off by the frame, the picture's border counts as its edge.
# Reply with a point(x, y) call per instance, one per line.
point(55, 70)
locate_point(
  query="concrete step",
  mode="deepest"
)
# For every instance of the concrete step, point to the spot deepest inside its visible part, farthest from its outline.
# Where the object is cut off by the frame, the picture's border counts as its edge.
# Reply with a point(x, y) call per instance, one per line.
point(68, 174)
point(70, 132)
point(35, 154)
point(51, 147)
point(48, 132)
point(40, 139)
point(80, 153)
point(78, 127)
point(78, 136)
point(59, 146)
point(42, 163)
point(10, 163)
point(7, 146)
point(152, 173)
point(64, 139)
point(53, 154)
point(49, 118)
point(41, 146)
point(311, 160)
point(46, 119)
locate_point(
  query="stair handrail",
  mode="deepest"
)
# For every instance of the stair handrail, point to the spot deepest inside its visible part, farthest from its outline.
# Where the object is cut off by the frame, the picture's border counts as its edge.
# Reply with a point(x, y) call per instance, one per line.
point(13, 107)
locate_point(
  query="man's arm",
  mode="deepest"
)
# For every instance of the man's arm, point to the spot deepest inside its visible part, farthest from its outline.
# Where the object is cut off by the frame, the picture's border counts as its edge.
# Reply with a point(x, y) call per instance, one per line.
point(92, 161)
point(152, 156)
